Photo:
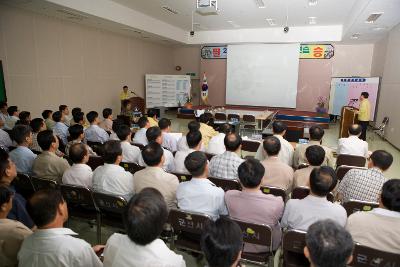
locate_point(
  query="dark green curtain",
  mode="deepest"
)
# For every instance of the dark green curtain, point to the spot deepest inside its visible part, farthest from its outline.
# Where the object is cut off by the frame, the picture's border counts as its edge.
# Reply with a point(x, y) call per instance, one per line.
point(3, 96)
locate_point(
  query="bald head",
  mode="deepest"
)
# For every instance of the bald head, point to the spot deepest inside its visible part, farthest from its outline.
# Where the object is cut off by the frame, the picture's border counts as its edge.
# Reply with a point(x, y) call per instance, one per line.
point(355, 129)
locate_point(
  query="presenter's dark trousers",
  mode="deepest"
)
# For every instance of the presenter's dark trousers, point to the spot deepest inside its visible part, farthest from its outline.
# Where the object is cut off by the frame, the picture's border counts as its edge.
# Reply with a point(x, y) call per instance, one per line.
point(364, 125)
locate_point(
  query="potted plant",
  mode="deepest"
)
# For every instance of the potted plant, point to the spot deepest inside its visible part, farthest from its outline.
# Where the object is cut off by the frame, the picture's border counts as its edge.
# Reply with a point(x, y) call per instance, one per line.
point(320, 108)
point(189, 99)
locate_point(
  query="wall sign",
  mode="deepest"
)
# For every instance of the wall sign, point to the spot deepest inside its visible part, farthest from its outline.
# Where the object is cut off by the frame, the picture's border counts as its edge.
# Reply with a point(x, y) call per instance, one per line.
point(316, 51)
point(214, 52)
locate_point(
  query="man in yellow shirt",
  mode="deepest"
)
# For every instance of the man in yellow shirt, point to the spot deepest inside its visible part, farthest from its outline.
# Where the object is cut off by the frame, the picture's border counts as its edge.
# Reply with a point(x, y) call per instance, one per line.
point(207, 132)
point(152, 117)
point(364, 114)
point(125, 94)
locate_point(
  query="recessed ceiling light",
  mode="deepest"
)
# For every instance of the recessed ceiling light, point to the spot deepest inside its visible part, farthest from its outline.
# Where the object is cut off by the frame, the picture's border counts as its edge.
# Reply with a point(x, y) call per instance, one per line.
point(271, 22)
point(379, 28)
point(355, 36)
point(312, 20)
point(373, 17)
point(312, 2)
point(260, 3)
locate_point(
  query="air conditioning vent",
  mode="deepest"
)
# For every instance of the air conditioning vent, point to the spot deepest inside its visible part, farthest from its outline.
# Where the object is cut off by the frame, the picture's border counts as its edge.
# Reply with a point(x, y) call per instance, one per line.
point(170, 10)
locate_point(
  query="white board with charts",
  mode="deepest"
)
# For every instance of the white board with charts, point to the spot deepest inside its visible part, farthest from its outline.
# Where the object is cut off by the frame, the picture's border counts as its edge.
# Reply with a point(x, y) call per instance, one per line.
point(166, 90)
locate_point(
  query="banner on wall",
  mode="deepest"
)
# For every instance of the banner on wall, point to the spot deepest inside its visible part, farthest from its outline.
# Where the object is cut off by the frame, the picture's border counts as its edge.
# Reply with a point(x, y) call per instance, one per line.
point(214, 52)
point(316, 51)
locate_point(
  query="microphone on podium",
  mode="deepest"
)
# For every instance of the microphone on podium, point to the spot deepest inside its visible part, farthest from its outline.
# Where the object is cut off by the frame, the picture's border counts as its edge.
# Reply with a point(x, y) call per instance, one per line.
point(134, 93)
point(354, 99)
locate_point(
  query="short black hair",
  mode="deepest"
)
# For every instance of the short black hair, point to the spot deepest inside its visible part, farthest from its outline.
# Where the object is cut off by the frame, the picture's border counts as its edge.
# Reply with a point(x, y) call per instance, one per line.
point(43, 206)
point(3, 104)
point(11, 110)
point(112, 149)
point(79, 116)
point(315, 155)
point(4, 163)
point(152, 154)
point(116, 123)
point(151, 112)
point(125, 103)
point(355, 129)
point(272, 145)
point(75, 131)
point(77, 152)
point(61, 108)
point(193, 126)
point(145, 216)
point(5, 195)
point(76, 111)
point(46, 113)
point(196, 162)
point(125, 87)
point(279, 127)
point(153, 133)
point(221, 242)
point(251, 173)
point(322, 180)
point(164, 123)
point(232, 141)
point(20, 133)
point(329, 244)
point(107, 112)
point(382, 159)
point(391, 195)
point(91, 116)
point(225, 128)
point(316, 133)
point(193, 139)
point(36, 124)
point(365, 94)
point(204, 118)
point(123, 132)
point(45, 139)
point(24, 115)
point(57, 116)
point(143, 121)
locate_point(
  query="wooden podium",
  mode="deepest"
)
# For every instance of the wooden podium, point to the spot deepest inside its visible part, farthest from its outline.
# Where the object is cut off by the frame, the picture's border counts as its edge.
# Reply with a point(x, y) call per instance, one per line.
point(137, 102)
point(348, 117)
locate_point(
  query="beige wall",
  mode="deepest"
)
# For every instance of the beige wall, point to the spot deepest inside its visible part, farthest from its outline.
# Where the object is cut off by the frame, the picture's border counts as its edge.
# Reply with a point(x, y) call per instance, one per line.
point(379, 57)
point(352, 60)
point(48, 62)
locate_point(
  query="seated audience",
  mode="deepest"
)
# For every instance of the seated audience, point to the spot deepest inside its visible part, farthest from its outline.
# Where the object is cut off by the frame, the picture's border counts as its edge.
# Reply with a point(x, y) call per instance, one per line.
point(47, 115)
point(207, 132)
point(194, 142)
point(12, 232)
point(153, 134)
point(152, 117)
point(200, 194)
point(216, 145)
point(77, 136)
point(94, 133)
point(12, 118)
point(316, 134)
point(107, 123)
point(277, 173)
point(60, 129)
point(8, 172)
point(286, 153)
point(126, 109)
point(48, 165)
point(79, 173)
point(65, 112)
point(24, 118)
point(3, 113)
point(116, 123)
point(140, 246)
point(5, 140)
point(222, 243)
point(315, 157)
point(366, 185)
point(328, 244)
point(79, 118)
point(301, 213)
point(379, 228)
point(140, 135)
point(130, 153)
point(226, 165)
point(169, 141)
point(154, 176)
point(51, 244)
point(193, 126)
point(22, 156)
point(353, 145)
point(111, 178)
point(254, 206)
point(37, 125)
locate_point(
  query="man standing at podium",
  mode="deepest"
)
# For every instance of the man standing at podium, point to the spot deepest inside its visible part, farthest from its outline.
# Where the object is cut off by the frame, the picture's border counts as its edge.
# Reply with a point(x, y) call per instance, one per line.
point(364, 114)
point(125, 94)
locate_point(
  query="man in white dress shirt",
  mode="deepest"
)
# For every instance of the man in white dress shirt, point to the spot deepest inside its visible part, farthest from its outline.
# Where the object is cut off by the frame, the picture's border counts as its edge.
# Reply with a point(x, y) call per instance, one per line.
point(145, 218)
point(169, 141)
point(353, 145)
point(153, 134)
point(12, 118)
point(286, 153)
point(200, 194)
point(5, 140)
point(299, 214)
point(22, 156)
point(94, 133)
point(216, 145)
point(51, 244)
point(140, 135)
point(65, 111)
point(193, 126)
point(112, 178)
point(194, 142)
point(79, 173)
point(3, 113)
point(60, 129)
point(130, 153)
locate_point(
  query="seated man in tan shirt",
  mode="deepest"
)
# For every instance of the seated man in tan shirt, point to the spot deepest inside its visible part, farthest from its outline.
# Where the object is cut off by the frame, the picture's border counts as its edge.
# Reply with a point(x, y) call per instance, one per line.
point(154, 176)
point(277, 173)
point(315, 156)
point(12, 233)
point(379, 228)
